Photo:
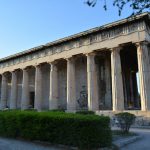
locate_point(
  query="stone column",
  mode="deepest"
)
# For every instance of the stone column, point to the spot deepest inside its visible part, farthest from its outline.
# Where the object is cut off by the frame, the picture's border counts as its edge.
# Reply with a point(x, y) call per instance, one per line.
point(92, 81)
point(53, 98)
point(117, 82)
point(13, 97)
point(4, 92)
point(25, 90)
point(71, 85)
point(38, 88)
point(144, 74)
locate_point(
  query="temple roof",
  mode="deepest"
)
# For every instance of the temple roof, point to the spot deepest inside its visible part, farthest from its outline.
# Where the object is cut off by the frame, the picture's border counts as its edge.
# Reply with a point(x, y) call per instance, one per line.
point(145, 16)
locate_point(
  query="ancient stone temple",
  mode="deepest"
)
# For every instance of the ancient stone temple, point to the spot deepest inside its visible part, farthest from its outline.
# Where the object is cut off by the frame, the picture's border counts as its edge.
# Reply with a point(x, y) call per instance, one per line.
point(105, 69)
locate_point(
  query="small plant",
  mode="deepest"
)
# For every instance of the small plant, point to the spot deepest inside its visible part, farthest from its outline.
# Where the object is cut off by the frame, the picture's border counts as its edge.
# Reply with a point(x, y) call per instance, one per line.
point(125, 120)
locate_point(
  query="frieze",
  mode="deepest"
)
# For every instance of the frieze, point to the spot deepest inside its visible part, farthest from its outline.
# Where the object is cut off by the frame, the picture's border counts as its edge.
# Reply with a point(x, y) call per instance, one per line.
point(79, 42)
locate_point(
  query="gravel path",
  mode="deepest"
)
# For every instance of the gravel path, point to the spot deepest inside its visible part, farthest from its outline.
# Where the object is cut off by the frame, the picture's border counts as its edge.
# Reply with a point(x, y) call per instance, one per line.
point(11, 144)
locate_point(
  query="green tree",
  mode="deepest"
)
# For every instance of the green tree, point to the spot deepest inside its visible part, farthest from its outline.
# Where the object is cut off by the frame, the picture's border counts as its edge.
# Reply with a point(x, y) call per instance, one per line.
point(138, 6)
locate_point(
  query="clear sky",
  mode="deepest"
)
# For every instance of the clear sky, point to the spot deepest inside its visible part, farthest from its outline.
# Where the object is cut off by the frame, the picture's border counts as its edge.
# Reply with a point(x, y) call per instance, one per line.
point(28, 23)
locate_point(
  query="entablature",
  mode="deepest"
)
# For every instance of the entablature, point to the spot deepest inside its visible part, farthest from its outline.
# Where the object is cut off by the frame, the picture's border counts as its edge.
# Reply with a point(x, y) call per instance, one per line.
point(99, 36)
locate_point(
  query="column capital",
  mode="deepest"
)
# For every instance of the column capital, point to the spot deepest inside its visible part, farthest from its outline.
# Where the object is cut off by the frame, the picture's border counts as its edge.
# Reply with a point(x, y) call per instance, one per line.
point(3, 74)
point(52, 62)
point(37, 65)
point(90, 54)
point(116, 48)
point(14, 71)
point(27, 67)
point(72, 59)
point(53, 66)
point(24, 68)
point(49, 62)
point(143, 43)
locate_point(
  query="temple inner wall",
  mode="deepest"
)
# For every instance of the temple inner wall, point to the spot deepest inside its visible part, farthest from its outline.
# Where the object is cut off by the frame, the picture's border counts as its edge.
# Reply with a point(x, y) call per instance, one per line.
point(103, 62)
point(62, 85)
point(45, 86)
point(81, 82)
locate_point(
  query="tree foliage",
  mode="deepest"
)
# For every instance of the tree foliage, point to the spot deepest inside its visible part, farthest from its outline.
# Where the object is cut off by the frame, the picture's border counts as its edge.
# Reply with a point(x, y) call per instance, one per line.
point(137, 6)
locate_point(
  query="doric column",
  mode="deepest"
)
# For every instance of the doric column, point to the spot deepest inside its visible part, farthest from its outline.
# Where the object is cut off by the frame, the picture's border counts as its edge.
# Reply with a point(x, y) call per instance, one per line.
point(25, 90)
point(92, 81)
point(117, 83)
point(53, 98)
point(71, 86)
point(4, 92)
point(38, 88)
point(13, 97)
point(144, 74)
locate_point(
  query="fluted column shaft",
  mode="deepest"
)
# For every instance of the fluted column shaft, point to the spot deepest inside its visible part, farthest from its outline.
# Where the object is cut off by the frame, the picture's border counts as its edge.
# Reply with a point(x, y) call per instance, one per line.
point(71, 86)
point(25, 90)
point(4, 92)
point(92, 81)
point(117, 82)
point(53, 98)
point(144, 75)
point(13, 97)
point(38, 88)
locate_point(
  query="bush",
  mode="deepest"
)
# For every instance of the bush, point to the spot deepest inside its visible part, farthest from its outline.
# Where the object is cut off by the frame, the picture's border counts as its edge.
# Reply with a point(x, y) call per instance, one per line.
point(57, 110)
point(83, 131)
point(125, 120)
point(85, 112)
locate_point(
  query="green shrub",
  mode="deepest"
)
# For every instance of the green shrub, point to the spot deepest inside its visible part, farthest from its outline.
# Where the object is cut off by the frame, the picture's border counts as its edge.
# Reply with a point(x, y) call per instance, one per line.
point(125, 120)
point(85, 112)
point(83, 131)
point(57, 110)
point(30, 109)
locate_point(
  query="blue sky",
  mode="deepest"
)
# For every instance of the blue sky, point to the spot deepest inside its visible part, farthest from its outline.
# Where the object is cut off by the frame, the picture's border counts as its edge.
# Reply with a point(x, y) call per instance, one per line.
point(28, 23)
